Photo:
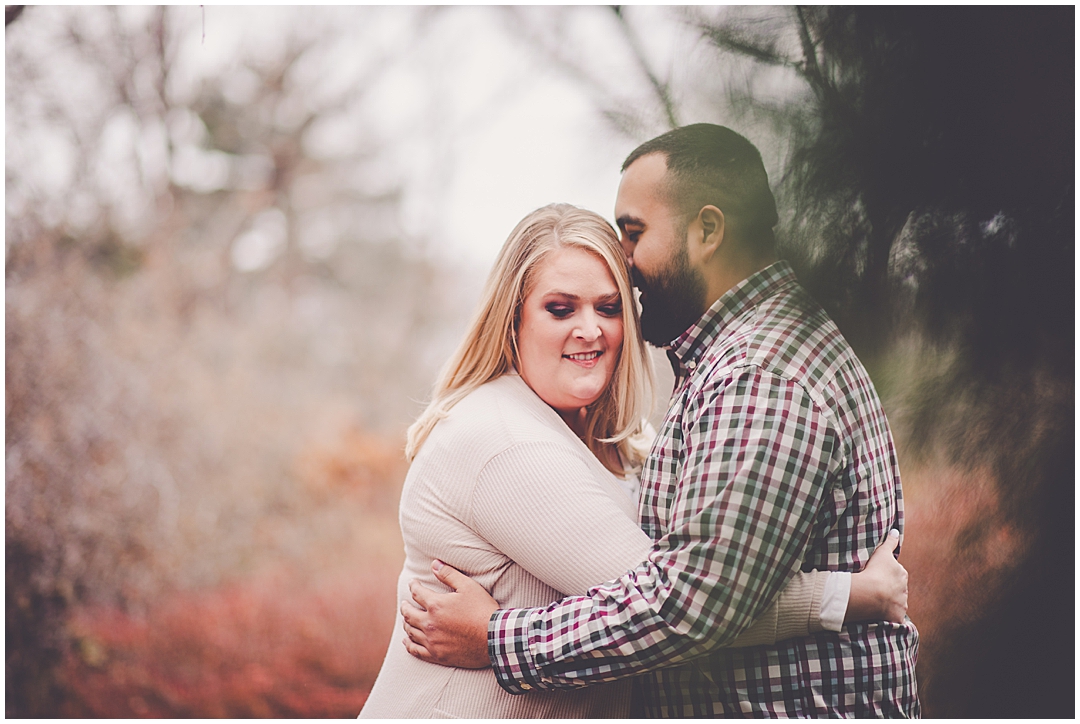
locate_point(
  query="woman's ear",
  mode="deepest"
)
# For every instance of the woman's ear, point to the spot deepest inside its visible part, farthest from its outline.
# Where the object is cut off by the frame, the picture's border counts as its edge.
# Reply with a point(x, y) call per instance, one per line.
point(712, 231)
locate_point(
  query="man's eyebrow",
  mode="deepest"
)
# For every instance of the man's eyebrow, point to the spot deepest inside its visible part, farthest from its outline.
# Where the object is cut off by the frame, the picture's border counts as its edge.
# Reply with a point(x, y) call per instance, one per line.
point(625, 219)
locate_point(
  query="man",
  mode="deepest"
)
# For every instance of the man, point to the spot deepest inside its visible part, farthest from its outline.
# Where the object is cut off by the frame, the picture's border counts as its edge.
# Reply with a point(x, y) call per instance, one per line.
point(775, 455)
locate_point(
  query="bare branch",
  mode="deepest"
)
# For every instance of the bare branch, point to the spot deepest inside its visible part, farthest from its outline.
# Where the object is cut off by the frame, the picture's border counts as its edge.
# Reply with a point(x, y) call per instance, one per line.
point(661, 88)
point(727, 38)
point(811, 69)
point(554, 53)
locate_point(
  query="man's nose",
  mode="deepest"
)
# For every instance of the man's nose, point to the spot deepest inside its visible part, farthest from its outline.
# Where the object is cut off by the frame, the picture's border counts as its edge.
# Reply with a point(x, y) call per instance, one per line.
point(628, 250)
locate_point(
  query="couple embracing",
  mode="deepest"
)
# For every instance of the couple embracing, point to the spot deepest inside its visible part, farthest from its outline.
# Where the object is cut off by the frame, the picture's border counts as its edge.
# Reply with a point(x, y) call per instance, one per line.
point(738, 562)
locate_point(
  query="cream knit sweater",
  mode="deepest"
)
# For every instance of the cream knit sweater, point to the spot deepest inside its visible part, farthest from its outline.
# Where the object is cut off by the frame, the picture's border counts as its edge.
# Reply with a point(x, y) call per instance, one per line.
point(505, 492)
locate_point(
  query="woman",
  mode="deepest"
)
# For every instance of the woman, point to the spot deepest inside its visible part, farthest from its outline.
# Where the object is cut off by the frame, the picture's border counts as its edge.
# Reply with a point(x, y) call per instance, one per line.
point(522, 463)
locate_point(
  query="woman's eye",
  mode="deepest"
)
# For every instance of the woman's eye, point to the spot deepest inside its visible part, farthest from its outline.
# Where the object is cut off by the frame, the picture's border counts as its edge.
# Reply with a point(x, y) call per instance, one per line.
point(559, 311)
point(611, 310)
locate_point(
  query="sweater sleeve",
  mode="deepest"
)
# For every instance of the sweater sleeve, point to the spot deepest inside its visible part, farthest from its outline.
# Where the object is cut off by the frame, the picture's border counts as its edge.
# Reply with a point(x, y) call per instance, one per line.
point(795, 613)
point(546, 509)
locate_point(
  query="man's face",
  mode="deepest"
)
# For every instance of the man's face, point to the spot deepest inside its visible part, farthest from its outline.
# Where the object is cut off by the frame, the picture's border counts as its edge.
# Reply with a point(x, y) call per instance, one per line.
point(653, 236)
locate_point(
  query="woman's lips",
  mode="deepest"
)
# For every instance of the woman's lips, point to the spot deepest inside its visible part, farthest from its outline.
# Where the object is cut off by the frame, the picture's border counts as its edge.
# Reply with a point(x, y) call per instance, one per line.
point(585, 359)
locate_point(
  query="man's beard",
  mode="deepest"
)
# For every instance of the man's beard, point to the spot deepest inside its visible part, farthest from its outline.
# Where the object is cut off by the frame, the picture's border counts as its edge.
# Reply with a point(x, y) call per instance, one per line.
point(670, 302)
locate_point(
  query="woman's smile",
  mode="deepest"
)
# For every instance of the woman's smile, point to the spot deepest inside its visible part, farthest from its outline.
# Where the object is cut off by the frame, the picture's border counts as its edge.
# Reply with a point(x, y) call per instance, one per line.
point(571, 330)
point(585, 359)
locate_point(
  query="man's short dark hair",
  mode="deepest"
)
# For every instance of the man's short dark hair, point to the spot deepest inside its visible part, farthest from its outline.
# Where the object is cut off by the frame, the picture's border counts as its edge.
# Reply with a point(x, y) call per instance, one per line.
point(710, 164)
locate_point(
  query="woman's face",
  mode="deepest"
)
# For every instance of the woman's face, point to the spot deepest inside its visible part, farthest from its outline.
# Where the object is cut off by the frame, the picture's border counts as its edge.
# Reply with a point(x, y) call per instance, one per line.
point(571, 330)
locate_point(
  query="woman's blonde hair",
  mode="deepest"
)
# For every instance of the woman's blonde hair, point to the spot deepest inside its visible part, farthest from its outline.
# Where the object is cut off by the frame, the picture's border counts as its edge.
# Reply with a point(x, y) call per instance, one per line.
point(489, 349)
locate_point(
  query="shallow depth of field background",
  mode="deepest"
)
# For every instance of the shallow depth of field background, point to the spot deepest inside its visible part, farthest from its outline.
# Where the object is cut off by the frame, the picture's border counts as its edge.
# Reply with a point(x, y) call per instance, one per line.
point(241, 241)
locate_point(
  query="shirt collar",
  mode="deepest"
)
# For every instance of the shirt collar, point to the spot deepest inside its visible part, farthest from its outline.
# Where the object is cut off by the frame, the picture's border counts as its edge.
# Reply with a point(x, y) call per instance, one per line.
point(745, 295)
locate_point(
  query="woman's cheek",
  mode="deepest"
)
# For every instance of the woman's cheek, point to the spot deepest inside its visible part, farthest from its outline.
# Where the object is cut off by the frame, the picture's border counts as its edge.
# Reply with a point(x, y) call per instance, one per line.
point(615, 338)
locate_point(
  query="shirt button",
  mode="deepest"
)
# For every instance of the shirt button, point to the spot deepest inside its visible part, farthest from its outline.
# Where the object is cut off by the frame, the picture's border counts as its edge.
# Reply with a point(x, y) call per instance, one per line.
point(526, 687)
point(691, 365)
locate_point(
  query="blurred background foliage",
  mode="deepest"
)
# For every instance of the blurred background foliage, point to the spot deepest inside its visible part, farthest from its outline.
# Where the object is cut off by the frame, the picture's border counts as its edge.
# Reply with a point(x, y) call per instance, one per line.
point(219, 323)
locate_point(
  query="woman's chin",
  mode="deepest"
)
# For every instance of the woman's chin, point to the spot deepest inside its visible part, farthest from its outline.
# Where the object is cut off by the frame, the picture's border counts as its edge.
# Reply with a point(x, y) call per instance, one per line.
point(584, 398)
point(572, 395)
point(571, 404)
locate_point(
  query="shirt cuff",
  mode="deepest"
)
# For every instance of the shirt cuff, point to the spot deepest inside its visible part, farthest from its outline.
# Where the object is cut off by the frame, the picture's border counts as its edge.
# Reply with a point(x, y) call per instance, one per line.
point(834, 600)
point(508, 649)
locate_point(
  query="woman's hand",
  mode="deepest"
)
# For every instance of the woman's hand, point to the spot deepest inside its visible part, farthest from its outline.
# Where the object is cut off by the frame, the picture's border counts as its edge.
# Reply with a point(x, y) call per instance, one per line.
point(879, 592)
point(449, 628)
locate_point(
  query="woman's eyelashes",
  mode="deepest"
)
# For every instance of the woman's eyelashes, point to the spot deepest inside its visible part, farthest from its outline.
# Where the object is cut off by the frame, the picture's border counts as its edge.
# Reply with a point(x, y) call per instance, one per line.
point(610, 310)
point(559, 310)
point(562, 310)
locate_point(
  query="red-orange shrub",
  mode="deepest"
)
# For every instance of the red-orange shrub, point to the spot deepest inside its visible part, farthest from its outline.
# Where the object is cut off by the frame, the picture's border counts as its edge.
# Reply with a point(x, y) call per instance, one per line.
point(281, 645)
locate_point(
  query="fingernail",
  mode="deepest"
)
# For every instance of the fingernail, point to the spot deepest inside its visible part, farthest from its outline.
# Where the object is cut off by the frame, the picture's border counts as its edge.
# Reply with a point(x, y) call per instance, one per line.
point(894, 533)
point(436, 565)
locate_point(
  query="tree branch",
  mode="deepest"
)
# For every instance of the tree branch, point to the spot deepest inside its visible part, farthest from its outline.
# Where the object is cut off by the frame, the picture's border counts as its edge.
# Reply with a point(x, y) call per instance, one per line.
point(662, 90)
point(811, 69)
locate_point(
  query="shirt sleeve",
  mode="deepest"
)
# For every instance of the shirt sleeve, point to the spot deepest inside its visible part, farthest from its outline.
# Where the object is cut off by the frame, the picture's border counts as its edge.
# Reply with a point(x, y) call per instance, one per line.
point(834, 600)
point(759, 457)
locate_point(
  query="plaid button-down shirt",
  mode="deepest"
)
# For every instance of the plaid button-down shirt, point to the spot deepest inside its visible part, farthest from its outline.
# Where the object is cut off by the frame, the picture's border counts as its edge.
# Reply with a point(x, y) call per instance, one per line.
point(775, 455)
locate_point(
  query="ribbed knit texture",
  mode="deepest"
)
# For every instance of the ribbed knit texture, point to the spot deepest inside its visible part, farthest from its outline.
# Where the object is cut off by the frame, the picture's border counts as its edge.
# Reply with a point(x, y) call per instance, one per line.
point(506, 493)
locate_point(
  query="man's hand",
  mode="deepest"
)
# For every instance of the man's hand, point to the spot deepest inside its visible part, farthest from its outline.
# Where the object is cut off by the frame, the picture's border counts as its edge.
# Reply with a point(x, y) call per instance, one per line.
point(880, 590)
point(449, 628)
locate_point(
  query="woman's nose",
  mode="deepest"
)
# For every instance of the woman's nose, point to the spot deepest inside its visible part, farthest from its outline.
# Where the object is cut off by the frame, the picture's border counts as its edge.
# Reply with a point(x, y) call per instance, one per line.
point(589, 329)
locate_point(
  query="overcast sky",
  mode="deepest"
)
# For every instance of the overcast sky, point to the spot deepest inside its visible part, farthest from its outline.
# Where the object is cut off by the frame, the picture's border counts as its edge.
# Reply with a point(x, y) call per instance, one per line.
point(511, 132)
point(471, 120)
point(533, 137)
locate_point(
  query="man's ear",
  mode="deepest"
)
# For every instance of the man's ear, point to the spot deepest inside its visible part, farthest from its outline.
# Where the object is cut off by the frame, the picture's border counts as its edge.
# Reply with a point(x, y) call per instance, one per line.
point(712, 229)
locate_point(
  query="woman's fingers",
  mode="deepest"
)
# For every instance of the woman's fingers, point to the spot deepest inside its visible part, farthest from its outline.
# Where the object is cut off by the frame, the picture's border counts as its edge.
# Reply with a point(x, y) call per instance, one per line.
point(887, 546)
point(879, 592)
point(891, 541)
